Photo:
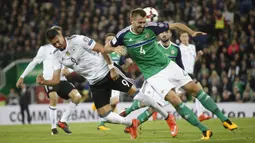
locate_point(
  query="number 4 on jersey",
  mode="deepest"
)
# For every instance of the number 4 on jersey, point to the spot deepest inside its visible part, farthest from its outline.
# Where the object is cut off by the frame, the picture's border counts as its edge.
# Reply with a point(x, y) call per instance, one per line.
point(142, 51)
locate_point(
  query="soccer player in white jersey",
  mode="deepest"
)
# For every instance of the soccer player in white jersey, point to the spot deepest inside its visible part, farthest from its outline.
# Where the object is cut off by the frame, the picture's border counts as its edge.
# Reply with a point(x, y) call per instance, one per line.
point(89, 59)
point(64, 89)
point(114, 100)
point(189, 57)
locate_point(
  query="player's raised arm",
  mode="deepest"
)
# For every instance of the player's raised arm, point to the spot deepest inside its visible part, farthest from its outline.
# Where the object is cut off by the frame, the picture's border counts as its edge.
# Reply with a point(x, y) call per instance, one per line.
point(182, 27)
point(37, 60)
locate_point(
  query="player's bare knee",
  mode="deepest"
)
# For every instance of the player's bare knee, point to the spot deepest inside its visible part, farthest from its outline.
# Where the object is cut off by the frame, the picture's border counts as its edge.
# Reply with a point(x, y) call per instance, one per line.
point(173, 98)
point(75, 96)
point(104, 110)
point(192, 88)
point(132, 91)
point(53, 98)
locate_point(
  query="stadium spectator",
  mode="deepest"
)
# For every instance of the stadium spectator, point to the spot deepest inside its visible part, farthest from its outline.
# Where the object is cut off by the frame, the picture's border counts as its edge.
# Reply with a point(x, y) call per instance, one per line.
point(24, 101)
point(13, 98)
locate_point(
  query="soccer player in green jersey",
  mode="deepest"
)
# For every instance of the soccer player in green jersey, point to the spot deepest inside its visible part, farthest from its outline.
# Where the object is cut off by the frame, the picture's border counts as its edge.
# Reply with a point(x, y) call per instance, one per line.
point(162, 74)
point(172, 51)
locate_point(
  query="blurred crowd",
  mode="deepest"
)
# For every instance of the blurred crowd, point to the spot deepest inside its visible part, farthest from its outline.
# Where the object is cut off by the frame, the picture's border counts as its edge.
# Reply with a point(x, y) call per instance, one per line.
point(226, 70)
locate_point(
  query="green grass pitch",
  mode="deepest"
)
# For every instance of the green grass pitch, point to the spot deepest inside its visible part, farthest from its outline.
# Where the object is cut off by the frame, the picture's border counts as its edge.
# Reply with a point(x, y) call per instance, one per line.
point(149, 132)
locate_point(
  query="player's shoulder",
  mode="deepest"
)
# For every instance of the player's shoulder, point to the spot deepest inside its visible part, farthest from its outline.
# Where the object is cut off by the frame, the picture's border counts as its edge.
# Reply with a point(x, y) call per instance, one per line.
point(76, 39)
point(175, 45)
point(123, 31)
point(47, 46)
point(192, 46)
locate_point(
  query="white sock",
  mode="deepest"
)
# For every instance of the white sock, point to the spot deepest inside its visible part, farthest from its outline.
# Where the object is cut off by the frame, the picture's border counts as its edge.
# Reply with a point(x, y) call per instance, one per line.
point(148, 101)
point(53, 116)
point(115, 118)
point(101, 119)
point(199, 107)
point(69, 110)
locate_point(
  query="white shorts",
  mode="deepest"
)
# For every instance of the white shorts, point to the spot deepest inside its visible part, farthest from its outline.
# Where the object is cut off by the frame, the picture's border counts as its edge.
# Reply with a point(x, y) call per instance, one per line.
point(149, 91)
point(115, 94)
point(170, 77)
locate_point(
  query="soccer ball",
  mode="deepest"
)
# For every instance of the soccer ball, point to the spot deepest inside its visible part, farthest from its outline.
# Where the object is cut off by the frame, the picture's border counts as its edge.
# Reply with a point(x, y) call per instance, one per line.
point(151, 14)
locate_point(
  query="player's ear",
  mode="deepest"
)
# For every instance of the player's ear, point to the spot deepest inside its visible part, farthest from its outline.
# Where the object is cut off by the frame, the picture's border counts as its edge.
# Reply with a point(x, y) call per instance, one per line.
point(131, 20)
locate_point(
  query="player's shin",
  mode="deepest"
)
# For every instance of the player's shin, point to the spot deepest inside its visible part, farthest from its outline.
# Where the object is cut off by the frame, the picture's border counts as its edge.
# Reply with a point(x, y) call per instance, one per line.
point(189, 116)
point(69, 110)
point(144, 116)
point(148, 101)
point(210, 105)
point(135, 105)
point(53, 116)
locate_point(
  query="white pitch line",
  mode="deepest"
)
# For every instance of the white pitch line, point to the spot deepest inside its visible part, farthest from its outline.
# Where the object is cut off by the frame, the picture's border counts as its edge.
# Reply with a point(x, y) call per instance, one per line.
point(239, 138)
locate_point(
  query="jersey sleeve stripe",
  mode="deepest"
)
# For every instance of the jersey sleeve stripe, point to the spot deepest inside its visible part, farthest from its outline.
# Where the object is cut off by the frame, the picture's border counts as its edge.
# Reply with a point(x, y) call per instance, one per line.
point(122, 31)
point(55, 51)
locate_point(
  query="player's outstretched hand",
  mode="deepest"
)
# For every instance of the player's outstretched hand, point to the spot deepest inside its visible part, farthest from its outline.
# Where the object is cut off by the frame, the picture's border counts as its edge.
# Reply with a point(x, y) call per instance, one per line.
point(114, 74)
point(19, 82)
point(120, 50)
point(39, 79)
point(198, 33)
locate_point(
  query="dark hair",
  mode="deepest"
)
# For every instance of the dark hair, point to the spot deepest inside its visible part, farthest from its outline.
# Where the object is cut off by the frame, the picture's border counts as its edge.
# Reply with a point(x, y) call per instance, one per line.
point(52, 32)
point(109, 34)
point(138, 11)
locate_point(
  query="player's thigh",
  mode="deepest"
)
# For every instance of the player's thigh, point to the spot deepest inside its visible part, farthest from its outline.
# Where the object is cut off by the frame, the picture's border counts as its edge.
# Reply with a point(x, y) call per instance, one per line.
point(75, 96)
point(101, 94)
point(64, 89)
point(191, 88)
point(114, 97)
point(173, 98)
point(52, 94)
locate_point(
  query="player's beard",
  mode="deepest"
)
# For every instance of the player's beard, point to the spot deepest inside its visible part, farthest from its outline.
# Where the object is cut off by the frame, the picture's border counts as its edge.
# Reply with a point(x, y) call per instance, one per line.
point(164, 39)
point(139, 30)
point(61, 48)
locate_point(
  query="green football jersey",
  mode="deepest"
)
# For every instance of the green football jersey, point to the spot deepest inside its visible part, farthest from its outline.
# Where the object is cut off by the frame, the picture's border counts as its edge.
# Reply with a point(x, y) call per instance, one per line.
point(173, 52)
point(143, 48)
point(115, 57)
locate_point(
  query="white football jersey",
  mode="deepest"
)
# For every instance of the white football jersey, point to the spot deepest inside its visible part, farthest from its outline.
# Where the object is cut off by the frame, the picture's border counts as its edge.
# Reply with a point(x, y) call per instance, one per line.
point(79, 56)
point(45, 55)
point(188, 57)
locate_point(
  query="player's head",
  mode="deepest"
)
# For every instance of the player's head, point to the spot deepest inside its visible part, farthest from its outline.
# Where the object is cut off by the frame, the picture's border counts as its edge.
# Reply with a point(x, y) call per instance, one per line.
point(165, 36)
point(55, 37)
point(108, 38)
point(138, 20)
point(184, 37)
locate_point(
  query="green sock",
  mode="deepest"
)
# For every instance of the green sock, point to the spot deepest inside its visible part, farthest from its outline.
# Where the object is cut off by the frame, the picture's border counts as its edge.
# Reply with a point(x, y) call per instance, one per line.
point(210, 105)
point(102, 123)
point(189, 116)
point(144, 116)
point(135, 105)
